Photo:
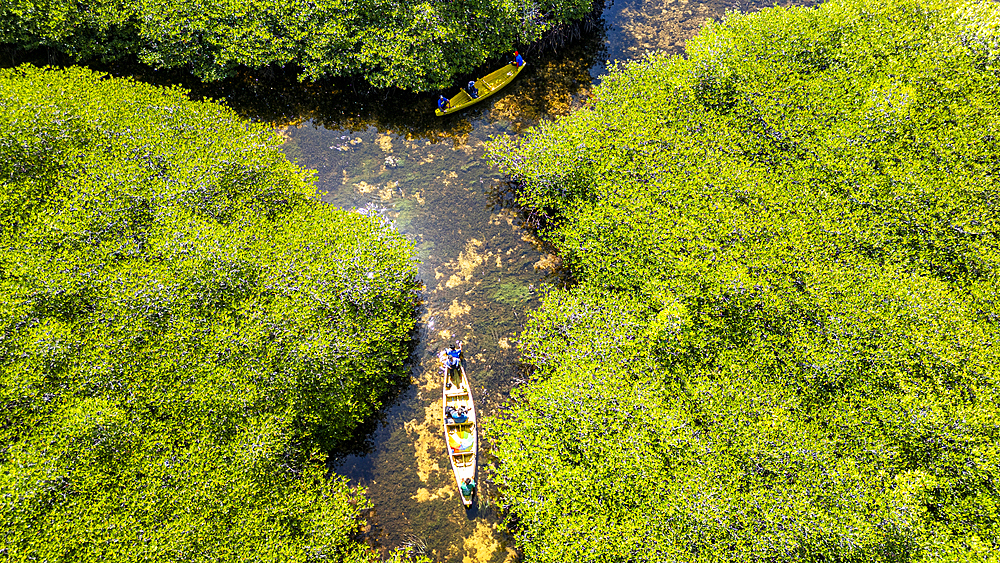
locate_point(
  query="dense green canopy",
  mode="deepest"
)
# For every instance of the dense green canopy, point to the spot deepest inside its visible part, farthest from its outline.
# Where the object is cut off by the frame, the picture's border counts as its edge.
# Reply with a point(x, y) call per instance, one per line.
point(184, 327)
point(784, 343)
point(411, 44)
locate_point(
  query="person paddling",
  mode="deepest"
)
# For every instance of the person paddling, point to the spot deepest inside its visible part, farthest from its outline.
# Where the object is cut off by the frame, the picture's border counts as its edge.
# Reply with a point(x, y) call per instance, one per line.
point(518, 61)
point(453, 354)
point(473, 91)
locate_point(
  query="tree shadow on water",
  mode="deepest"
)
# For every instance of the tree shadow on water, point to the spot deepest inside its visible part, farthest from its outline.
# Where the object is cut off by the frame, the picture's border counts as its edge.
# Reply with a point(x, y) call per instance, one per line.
point(275, 94)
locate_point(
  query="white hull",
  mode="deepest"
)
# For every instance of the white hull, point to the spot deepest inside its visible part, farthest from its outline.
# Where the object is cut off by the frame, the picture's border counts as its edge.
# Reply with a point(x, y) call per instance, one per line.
point(463, 461)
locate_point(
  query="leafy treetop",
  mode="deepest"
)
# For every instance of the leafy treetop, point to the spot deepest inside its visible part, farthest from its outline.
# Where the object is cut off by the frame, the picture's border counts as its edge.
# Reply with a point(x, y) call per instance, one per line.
point(185, 329)
point(784, 343)
point(411, 44)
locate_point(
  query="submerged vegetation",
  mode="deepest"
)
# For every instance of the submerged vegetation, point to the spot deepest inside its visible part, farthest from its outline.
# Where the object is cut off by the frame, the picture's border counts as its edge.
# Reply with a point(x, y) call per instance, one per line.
point(411, 44)
point(185, 330)
point(783, 345)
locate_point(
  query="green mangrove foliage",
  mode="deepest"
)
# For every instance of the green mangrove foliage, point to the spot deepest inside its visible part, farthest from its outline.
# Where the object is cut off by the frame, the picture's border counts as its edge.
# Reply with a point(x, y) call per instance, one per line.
point(185, 328)
point(412, 44)
point(784, 342)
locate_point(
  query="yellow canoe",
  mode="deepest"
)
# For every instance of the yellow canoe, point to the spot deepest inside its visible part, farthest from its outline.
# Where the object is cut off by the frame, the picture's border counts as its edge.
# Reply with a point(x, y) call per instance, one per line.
point(487, 86)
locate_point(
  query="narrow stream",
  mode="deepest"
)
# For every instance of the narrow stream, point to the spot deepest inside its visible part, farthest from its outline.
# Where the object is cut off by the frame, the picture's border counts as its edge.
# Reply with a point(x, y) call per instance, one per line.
point(482, 270)
point(482, 273)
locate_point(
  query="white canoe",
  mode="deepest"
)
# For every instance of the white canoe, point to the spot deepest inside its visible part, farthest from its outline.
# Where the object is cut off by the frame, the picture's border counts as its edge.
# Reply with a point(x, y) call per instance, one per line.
point(461, 440)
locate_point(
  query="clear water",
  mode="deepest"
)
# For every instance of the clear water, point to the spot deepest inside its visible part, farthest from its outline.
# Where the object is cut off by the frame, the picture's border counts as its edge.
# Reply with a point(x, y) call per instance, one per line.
point(481, 268)
point(483, 271)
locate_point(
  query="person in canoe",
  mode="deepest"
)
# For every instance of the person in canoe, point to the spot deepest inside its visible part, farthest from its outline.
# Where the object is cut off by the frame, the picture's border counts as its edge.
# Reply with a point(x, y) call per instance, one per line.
point(443, 103)
point(518, 61)
point(451, 357)
point(456, 416)
point(473, 91)
point(468, 487)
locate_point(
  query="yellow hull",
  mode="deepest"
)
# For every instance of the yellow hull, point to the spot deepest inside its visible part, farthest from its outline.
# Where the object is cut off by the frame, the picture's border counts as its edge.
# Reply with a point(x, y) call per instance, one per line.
point(487, 86)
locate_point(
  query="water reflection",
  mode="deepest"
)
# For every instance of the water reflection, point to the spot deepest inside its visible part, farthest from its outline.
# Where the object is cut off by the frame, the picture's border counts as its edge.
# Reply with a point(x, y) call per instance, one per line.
point(549, 85)
point(638, 26)
point(387, 152)
point(481, 271)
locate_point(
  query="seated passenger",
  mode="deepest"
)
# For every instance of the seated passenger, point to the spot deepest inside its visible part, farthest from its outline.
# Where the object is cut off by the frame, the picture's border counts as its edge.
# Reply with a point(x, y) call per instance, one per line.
point(443, 103)
point(473, 91)
point(468, 487)
point(460, 415)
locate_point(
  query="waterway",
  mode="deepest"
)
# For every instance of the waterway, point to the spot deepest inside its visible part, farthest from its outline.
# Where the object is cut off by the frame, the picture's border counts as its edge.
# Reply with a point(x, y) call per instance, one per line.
point(482, 269)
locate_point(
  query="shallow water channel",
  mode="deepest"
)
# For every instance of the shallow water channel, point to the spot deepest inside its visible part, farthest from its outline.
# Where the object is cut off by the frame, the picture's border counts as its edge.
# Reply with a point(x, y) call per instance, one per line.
point(482, 270)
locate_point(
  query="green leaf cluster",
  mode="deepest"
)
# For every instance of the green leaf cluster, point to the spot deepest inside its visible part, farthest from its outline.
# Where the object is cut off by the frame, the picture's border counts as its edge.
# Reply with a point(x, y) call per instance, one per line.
point(185, 328)
point(783, 346)
point(411, 44)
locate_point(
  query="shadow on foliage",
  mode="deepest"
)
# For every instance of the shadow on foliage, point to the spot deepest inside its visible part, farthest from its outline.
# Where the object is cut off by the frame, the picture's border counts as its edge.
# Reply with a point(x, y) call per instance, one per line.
point(275, 94)
point(401, 392)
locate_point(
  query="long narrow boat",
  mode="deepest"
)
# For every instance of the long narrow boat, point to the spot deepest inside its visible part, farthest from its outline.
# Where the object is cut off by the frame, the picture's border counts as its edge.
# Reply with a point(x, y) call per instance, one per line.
point(487, 86)
point(461, 440)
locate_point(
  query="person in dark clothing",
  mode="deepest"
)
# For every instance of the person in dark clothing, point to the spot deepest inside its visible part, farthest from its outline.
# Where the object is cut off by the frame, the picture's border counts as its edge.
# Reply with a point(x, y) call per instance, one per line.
point(473, 91)
point(468, 487)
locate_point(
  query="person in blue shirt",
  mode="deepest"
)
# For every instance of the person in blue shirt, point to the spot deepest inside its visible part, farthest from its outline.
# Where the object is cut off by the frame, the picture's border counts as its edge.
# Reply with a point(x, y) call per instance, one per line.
point(443, 103)
point(454, 353)
point(456, 416)
point(451, 357)
point(517, 59)
point(473, 91)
